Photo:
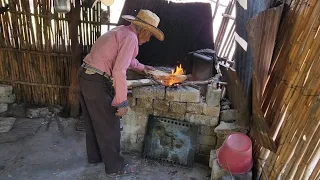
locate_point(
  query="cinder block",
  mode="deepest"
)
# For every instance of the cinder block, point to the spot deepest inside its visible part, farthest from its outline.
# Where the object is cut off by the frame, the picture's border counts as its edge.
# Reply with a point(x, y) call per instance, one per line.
point(3, 107)
point(150, 92)
point(213, 111)
point(178, 107)
point(6, 123)
point(207, 140)
point(183, 94)
point(224, 129)
point(145, 103)
point(161, 105)
point(172, 115)
point(207, 130)
point(229, 115)
point(135, 122)
point(8, 99)
point(213, 96)
point(201, 119)
point(195, 108)
point(5, 90)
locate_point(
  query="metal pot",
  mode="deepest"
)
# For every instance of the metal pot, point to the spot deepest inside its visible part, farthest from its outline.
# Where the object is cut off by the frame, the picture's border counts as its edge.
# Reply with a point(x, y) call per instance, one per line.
point(62, 6)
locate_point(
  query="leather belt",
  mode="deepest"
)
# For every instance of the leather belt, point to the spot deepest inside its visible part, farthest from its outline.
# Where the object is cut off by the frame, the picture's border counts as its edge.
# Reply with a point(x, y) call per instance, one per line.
point(95, 70)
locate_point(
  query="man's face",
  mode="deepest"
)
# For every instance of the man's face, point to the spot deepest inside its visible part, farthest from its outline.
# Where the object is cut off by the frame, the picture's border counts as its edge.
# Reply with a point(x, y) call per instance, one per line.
point(144, 36)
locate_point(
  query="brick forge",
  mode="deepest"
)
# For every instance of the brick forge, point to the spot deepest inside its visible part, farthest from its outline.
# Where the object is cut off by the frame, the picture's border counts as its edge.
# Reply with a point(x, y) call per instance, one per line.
point(182, 103)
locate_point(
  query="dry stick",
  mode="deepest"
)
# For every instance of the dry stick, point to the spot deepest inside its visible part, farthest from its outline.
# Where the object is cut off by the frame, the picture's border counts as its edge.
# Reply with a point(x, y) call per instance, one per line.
point(224, 25)
point(280, 52)
point(303, 146)
point(215, 10)
point(226, 47)
point(287, 70)
point(298, 74)
point(310, 157)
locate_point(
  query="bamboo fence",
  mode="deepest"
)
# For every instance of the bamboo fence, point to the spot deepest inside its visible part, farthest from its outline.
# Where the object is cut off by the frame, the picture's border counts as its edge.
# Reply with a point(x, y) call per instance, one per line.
point(35, 49)
point(291, 98)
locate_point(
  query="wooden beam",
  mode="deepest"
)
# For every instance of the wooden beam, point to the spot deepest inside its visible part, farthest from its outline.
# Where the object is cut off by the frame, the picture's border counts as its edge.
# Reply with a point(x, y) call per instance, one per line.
point(76, 59)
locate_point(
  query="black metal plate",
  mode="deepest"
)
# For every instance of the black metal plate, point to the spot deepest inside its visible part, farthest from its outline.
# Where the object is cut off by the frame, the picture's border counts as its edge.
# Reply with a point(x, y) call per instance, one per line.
point(170, 140)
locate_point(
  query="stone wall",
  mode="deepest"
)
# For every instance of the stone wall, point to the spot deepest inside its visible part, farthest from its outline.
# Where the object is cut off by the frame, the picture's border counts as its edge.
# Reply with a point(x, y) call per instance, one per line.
point(182, 103)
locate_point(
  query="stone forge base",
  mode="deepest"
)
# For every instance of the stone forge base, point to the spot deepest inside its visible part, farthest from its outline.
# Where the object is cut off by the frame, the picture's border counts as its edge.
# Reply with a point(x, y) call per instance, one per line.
point(182, 103)
point(219, 173)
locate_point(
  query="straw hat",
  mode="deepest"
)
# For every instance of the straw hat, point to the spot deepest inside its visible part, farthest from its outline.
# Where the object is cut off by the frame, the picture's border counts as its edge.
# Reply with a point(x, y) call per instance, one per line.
point(107, 2)
point(147, 20)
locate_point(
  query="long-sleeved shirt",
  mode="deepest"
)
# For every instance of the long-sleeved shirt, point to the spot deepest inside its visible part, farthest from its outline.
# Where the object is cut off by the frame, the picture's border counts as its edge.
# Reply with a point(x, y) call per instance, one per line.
point(113, 53)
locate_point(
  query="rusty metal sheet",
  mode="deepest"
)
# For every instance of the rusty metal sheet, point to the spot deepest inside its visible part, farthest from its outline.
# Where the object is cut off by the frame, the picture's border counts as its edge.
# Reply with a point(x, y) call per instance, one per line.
point(170, 141)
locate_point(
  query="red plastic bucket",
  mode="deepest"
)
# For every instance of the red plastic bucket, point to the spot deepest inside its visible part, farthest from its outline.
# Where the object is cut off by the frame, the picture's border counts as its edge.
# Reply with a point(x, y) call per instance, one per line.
point(235, 154)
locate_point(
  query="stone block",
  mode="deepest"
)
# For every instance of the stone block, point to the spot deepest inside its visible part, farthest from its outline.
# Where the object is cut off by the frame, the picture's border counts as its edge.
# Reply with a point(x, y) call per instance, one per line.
point(8, 99)
point(225, 107)
point(178, 107)
point(135, 121)
point(224, 129)
point(219, 142)
point(213, 111)
point(150, 92)
point(207, 130)
point(183, 94)
point(213, 156)
point(207, 140)
point(202, 119)
point(132, 100)
point(218, 173)
point(195, 108)
point(213, 96)
point(3, 107)
point(161, 105)
point(145, 103)
point(205, 149)
point(6, 123)
point(130, 142)
point(5, 90)
point(37, 112)
point(172, 115)
point(229, 115)
point(142, 116)
point(225, 102)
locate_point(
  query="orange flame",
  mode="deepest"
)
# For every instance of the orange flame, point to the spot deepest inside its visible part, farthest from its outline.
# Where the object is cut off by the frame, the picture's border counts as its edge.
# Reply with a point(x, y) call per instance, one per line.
point(178, 71)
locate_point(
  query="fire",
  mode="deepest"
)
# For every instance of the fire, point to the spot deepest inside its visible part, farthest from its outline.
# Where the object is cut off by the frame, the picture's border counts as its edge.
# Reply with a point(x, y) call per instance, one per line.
point(178, 71)
point(174, 73)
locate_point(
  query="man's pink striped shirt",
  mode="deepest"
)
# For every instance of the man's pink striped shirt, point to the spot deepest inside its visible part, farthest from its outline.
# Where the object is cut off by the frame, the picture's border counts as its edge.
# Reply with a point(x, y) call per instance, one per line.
point(113, 53)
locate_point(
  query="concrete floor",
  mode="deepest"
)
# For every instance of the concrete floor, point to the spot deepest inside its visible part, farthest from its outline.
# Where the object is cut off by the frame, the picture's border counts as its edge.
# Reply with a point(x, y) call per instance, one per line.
point(38, 149)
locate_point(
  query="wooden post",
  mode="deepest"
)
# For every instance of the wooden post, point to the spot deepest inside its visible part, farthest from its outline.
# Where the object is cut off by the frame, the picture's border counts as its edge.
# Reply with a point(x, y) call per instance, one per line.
point(76, 59)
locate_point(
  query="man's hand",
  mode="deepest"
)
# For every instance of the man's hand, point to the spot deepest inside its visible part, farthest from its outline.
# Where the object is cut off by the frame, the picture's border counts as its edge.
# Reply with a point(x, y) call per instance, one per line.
point(148, 68)
point(122, 111)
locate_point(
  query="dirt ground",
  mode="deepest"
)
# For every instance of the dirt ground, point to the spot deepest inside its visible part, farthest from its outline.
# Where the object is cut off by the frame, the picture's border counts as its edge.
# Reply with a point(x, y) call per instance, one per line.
point(42, 149)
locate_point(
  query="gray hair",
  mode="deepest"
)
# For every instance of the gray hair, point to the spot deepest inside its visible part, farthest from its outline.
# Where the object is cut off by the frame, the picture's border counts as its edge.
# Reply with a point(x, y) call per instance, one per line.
point(138, 28)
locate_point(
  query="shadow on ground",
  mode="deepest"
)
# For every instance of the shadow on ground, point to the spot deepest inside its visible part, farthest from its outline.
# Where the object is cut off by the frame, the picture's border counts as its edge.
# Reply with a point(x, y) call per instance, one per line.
point(39, 149)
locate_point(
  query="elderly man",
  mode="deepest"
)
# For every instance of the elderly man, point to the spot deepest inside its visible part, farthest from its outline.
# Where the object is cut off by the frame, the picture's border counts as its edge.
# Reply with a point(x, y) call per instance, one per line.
point(103, 89)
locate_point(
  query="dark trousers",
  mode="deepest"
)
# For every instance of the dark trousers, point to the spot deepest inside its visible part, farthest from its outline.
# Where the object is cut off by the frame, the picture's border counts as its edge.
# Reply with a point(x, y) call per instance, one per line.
point(101, 124)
